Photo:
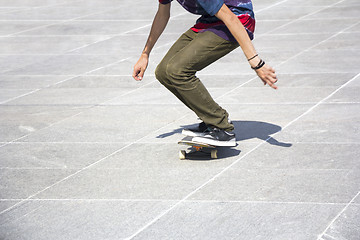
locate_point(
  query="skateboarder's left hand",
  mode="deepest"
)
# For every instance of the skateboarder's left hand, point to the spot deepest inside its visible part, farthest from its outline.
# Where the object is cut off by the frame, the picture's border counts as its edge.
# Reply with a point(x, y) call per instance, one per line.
point(140, 67)
point(267, 75)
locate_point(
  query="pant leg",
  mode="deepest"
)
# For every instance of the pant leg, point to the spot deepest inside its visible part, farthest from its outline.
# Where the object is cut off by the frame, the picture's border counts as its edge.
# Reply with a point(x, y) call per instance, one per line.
point(161, 71)
point(178, 68)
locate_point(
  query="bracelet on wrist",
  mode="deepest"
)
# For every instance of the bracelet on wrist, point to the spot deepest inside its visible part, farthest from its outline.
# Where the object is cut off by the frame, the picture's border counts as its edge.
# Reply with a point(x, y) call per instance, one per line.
point(253, 57)
point(260, 65)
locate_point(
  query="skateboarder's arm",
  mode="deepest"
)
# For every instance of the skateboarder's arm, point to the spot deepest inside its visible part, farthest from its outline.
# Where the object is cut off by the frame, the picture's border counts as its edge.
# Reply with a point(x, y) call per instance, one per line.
point(266, 73)
point(160, 21)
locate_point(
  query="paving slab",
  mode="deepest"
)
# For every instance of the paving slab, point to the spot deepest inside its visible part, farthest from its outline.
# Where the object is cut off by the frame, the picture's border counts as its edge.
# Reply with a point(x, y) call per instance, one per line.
point(309, 80)
point(9, 28)
point(286, 12)
point(130, 43)
point(70, 96)
point(47, 45)
point(341, 41)
point(210, 220)
point(119, 82)
point(11, 62)
point(346, 226)
point(65, 65)
point(324, 186)
point(120, 67)
point(22, 183)
point(54, 155)
point(126, 183)
point(77, 27)
point(147, 12)
point(30, 82)
point(98, 124)
point(78, 219)
point(305, 155)
point(321, 61)
point(8, 94)
point(57, 12)
point(20, 121)
point(269, 96)
point(313, 26)
point(35, 3)
point(329, 123)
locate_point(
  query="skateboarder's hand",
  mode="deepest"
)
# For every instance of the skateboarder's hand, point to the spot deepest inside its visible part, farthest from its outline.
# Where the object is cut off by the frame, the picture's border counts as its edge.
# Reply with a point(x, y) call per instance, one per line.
point(267, 75)
point(140, 67)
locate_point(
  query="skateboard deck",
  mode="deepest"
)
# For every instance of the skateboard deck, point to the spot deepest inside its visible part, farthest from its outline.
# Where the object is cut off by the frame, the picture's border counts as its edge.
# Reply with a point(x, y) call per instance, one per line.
point(196, 147)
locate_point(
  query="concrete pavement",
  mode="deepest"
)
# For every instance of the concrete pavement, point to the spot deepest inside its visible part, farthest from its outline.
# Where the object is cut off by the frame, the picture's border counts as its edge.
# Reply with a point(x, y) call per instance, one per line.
point(88, 153)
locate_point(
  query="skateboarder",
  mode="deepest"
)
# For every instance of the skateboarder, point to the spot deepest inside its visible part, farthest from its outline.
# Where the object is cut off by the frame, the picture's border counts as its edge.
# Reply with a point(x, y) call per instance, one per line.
point(223, 26)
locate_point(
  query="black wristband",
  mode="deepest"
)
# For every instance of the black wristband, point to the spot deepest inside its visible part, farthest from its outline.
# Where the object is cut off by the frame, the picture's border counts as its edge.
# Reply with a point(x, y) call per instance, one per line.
point(253, 57)
point(260, 65)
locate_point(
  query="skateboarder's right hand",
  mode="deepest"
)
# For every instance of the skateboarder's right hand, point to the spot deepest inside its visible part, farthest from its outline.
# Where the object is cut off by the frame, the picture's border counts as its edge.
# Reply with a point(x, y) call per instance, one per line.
point(140, 67)
point(160, 21)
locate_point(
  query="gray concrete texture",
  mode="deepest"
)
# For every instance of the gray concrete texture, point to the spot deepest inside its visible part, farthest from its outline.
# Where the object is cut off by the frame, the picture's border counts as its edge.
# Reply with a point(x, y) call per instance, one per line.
point(86, 152)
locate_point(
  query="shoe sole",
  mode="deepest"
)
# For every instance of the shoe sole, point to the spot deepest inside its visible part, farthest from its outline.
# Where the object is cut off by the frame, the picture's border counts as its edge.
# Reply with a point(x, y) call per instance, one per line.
point(231, 143)
point(191, 133)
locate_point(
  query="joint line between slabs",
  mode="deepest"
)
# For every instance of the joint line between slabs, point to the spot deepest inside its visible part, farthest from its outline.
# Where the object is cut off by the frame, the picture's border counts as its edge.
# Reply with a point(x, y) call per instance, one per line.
point(337, 216)
point(327, 235)
point(22, 95)
point(163, 200)
point(271, 6)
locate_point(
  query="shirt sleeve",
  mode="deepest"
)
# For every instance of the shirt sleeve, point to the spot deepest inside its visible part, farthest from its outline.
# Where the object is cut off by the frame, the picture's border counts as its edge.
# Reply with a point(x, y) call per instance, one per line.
point(211, 6)
point(165, 1)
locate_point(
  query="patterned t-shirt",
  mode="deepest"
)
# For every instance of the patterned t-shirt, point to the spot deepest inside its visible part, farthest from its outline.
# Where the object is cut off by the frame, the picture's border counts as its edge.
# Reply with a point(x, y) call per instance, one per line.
point(243, 9)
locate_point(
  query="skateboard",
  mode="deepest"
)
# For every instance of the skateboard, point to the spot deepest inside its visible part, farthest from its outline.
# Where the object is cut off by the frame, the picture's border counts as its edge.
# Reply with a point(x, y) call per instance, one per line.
point(196, 147)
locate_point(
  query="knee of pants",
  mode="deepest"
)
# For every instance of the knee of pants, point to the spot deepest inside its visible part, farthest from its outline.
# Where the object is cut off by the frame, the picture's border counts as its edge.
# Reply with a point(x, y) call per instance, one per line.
point(160, 73)
point(174, 74)
point(178, 75)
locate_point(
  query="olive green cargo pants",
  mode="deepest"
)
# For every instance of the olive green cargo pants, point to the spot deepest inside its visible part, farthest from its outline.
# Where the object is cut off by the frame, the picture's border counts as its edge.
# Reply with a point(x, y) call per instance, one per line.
point(191, 53)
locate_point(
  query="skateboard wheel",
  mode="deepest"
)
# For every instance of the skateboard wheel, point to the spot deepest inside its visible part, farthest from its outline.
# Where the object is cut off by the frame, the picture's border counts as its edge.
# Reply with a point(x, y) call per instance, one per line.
point(213, 153)
point(182, 155)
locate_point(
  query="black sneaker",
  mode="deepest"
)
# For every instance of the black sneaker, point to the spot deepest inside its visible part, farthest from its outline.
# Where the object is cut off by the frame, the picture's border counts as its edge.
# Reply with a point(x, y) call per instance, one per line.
point(199, 131)
point(217, 137)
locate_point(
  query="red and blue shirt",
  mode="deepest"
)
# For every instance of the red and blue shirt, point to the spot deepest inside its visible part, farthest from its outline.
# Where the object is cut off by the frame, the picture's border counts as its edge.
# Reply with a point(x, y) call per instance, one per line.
point(243, 9)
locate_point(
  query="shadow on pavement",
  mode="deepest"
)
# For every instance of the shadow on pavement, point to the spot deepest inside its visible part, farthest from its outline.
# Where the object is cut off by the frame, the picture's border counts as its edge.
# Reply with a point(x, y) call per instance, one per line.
point(223, 152)
point(244, 130)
